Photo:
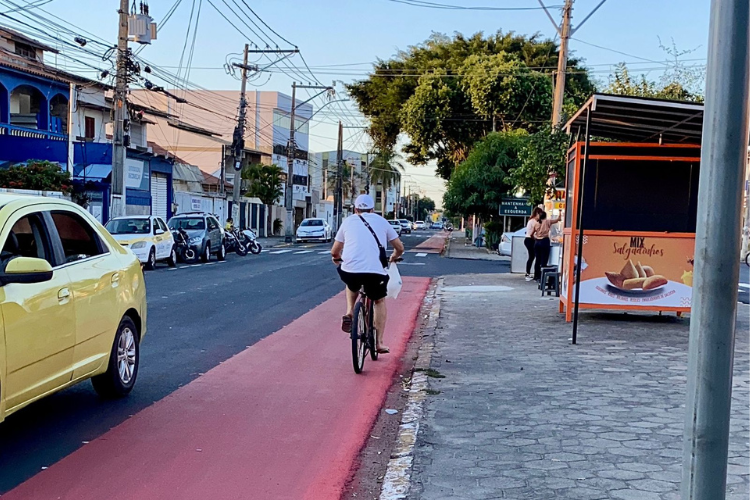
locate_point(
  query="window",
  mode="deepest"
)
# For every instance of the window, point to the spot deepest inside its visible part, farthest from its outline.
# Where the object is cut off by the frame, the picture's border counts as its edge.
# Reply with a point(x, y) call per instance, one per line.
point(25, 50)
point(27, 238)
point(90, 125)
point(78, 238)
point(312, 222)
point(212, 223)
point(187, 223)
point(162, 225)
point(129, 226)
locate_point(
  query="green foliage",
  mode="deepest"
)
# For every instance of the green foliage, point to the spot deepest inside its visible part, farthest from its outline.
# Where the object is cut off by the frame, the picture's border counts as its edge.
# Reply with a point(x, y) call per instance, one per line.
point(544, 153)
point(277, 224)
point(478, 184)
point(350, 182)
point(493, 230)
point(386, 168)
point(36, 175)
point(443, 93)
point(266, 182)
point(425, 205)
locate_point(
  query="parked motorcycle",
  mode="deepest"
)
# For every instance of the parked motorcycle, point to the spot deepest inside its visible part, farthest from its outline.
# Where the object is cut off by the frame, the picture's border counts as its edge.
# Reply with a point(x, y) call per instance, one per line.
point(251, 242)
point(182, 246)
point(234, 241)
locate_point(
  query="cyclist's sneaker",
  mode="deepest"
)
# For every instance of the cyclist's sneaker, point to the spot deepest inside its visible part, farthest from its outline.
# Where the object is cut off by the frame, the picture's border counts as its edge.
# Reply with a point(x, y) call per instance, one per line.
point(346, 324)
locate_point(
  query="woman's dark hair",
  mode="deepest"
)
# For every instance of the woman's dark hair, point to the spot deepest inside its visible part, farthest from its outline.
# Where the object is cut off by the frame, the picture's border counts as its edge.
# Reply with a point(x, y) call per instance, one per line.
point(542, 215)
point(536, 212)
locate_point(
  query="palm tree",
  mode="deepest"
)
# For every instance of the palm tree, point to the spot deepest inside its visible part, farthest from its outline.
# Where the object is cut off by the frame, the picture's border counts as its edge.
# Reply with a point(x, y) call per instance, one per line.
point(385, 171)
point(348, 187)
point(265, 184)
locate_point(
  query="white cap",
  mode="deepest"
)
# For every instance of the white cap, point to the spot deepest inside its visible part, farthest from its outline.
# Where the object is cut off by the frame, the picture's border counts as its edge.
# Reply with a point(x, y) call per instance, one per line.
point(364, 202)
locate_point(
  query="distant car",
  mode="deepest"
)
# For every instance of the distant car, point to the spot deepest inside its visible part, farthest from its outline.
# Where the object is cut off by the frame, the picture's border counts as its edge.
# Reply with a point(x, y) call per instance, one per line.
point(405, 225)
point(73, 303)
point(437, 225)
point(396, 226)
point(506, 241)
point(418, 225)
point(314, 230)
point(147, 236)
point(205, 233)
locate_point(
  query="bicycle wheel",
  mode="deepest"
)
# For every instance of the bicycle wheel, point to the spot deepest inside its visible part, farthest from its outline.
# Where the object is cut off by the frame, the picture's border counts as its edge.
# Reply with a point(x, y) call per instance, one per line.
point(359, 338)
point(371, 331)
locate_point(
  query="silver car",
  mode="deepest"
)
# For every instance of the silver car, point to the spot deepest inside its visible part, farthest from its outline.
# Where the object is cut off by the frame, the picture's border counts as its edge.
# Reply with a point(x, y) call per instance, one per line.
point(205, 233)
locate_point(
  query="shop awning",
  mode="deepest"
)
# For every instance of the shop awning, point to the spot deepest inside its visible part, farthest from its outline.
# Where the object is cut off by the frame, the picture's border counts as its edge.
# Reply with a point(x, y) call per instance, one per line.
point(94, 172)
point(639, 119)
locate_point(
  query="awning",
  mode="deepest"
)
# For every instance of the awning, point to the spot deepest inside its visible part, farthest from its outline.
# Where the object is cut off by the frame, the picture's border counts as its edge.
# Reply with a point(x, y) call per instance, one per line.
point(95, 171)
point(639, 119)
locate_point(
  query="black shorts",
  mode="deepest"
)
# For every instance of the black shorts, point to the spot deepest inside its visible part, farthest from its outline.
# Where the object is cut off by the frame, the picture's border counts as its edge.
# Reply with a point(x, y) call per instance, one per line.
point(376, 285)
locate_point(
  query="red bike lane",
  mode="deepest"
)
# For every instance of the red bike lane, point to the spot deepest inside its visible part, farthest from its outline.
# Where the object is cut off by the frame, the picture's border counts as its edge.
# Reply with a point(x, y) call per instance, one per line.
point(284, 419)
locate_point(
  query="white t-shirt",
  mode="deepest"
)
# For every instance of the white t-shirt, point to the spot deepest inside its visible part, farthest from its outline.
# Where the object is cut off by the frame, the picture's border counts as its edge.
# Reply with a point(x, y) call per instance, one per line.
point(530, 228)
point(361, 253)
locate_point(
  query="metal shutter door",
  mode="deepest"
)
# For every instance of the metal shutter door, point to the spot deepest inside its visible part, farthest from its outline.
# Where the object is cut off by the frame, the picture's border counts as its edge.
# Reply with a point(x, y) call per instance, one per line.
point(159, 200)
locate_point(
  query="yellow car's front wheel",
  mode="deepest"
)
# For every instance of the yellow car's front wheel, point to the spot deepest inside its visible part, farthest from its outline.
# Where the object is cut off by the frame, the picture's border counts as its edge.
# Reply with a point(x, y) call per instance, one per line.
point(122, 370)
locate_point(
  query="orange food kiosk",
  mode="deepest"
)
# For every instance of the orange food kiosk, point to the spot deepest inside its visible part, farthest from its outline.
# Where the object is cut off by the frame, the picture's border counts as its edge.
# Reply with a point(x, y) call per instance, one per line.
point(632, 198)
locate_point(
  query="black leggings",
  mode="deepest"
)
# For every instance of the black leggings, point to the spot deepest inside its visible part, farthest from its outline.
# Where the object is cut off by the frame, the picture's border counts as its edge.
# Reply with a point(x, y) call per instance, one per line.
point(542, 250)
point(529, 244)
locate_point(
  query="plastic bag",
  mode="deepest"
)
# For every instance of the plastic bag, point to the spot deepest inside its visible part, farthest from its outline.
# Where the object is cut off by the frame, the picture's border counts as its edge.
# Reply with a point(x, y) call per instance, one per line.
point(394, 281)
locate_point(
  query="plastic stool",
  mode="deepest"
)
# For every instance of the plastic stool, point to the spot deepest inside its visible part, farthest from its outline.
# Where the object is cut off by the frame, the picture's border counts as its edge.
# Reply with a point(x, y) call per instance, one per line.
point(547, 274)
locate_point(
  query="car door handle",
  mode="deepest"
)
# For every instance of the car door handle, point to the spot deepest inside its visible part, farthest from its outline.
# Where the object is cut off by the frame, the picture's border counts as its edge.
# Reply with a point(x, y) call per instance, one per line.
point(63, 294)
point(115, 278)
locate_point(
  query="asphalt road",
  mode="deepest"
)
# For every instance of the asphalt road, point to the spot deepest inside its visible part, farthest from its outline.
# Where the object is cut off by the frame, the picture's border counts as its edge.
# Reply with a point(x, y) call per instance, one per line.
point(198, 317)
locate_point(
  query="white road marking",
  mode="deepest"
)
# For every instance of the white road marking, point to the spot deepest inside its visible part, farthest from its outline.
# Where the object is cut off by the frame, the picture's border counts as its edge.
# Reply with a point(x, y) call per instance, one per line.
point(421, 254)
point(303, 251)
point(277, 252)
point(744, 285)
point(324, 253)
point(184, 267)
point(411, 264)
point(212, 263)
point(196, 265)
point(172, 269)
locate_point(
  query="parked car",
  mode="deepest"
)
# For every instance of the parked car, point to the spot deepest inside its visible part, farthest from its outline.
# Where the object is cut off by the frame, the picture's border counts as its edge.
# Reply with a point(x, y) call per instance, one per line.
point(147, 236)
point(506, 241)
point(205, 234)
point(396, 226)
point(405, 225)
point(314, 230)
point(437, 225)
point(418, 225)
point(73, 303)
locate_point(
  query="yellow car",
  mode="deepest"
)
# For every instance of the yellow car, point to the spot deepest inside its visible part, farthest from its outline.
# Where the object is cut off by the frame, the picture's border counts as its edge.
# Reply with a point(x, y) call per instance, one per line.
point(147, 236)
point(73, 303)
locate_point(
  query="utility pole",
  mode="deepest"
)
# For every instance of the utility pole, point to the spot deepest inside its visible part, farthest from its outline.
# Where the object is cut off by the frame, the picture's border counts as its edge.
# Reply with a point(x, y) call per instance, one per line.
point(714, 306)
point(565, 31)
point(117, 205)
point(223, 166)
point(339, 176)
point(238, 138)
point(562, 65)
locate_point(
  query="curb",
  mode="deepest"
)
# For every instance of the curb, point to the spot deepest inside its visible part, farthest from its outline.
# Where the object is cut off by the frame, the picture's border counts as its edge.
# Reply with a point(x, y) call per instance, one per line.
point(397, 479)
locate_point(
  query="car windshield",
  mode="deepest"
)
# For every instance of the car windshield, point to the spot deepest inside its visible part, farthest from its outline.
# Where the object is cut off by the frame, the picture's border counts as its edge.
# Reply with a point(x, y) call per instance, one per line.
point(312, 222)
point(129, 226)
point(187, 223)
point(404, 221)
point(395, 223)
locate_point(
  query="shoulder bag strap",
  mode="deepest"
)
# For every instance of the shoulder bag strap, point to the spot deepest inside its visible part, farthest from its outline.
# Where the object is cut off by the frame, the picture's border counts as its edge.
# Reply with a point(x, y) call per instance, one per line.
point(373, 232)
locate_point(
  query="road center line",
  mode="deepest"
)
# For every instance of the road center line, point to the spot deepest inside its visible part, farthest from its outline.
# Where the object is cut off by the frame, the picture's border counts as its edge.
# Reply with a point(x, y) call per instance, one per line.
point(279, 251)
point(303, 251)
point(421, 254)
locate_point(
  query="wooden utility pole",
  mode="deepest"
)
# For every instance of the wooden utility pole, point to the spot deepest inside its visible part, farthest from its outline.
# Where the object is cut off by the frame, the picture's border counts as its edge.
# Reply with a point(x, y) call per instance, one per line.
point(562, 64)
point(291, 153)
point(238, 139)
point(117, 205)
point(339, 176)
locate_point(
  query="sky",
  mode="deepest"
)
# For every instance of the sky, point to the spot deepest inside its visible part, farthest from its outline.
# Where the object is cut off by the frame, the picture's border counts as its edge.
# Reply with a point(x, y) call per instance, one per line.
point(339, 38)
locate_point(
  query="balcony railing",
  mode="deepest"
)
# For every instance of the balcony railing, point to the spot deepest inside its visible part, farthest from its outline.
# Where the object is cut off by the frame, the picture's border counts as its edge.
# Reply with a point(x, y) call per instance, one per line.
point(12, 130)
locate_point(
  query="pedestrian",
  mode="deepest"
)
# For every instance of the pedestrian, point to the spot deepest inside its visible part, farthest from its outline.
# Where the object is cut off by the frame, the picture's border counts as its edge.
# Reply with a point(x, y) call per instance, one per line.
point(529, 240)
point(542, 243)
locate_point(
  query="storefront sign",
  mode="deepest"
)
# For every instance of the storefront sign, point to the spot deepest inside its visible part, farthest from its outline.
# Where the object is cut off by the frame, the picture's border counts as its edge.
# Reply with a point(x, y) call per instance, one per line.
point(515, 207)
point(134, 173)
point(195, 204)
point(642, 271)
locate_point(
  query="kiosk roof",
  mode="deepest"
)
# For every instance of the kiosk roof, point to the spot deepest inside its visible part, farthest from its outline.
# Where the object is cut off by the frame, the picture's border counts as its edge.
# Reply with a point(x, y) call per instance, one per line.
point(640, 119)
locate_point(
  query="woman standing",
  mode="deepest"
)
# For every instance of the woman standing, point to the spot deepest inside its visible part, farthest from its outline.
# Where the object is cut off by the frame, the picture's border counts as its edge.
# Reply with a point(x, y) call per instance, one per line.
point(529, 240)
point(542, 243)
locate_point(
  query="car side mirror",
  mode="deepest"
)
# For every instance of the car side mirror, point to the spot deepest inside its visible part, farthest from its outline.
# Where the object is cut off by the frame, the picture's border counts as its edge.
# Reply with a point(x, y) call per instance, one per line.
point(158, 231)
point(26, 270)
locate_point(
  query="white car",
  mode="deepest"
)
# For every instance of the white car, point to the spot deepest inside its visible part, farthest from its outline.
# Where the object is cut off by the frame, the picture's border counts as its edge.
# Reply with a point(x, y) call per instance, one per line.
point(314, 230)
point(506, 241)
point(147, 236)
point(396, 226)
point(418, 225)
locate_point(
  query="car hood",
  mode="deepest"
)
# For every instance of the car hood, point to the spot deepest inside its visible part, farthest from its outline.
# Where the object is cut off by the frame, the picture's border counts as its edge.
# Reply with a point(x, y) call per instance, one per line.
point(129, 239)
point(195, 233)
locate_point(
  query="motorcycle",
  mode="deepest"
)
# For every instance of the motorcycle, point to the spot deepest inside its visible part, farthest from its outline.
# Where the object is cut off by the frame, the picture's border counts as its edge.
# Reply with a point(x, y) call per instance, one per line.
point(251, 242)
point(182, 246)
point(234, 241)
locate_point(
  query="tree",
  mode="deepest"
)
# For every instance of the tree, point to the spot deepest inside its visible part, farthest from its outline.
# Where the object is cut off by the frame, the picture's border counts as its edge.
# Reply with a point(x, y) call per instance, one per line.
point(265, 184)
point(36, 175)
point(544, 153)
point(350, 180)
point(445, 92)
point(425, 206)
point(479, 183)
point(385, 170)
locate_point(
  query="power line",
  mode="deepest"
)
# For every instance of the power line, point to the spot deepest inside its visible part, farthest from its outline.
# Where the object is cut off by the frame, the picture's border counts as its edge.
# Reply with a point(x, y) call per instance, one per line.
point(442, 6)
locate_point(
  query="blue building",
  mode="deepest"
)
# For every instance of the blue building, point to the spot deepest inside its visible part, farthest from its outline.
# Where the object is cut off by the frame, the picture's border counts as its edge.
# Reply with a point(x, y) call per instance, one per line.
point(53, 115)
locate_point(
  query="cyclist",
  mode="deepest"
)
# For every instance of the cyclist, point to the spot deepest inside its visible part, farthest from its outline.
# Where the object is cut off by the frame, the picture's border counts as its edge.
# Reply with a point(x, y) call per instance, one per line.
point(363, 261)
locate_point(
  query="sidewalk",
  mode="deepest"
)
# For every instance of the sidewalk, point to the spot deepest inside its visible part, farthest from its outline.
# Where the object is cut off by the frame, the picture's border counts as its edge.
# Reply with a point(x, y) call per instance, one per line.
point(523, 414)
point(458, 249)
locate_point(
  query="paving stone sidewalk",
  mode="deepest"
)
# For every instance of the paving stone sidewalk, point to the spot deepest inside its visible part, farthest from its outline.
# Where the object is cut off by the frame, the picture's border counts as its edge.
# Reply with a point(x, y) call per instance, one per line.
point(523, 414)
